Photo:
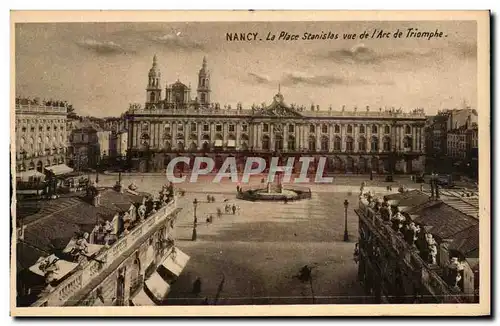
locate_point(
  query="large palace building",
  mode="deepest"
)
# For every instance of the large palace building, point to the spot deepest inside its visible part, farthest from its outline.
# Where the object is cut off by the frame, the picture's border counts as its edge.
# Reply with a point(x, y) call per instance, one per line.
point(357, 141)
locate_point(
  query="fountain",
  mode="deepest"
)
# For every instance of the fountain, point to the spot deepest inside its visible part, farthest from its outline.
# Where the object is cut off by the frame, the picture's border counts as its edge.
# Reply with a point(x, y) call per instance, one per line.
point(276, 192)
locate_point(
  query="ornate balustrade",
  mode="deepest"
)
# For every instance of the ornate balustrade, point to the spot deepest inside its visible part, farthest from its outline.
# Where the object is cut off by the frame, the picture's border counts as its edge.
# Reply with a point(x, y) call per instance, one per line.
point(429, 278)
point(88, 270)
point(38, 108)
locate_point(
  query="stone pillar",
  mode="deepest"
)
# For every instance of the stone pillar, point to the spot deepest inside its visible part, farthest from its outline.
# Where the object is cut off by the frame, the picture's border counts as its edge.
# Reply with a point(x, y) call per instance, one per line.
point(285, 137)
point(271, 136)
point(330, 137)
point(414, 138)
point(343, 131)
point(319, 136)
point(355, 137)
point(225, 131)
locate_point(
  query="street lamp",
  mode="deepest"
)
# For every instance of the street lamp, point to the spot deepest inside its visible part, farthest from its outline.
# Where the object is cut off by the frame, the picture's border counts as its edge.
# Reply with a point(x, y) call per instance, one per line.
point(346, 235)
point(195, 220)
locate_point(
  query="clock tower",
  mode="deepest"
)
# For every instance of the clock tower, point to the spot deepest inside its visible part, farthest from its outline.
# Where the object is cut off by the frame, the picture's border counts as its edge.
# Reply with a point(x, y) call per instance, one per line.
point(153, 91)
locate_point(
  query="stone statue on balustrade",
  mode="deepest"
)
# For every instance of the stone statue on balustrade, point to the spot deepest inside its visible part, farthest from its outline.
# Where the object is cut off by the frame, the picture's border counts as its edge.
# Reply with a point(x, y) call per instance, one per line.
point(411, 233)
point(141, 211)
point(455, 268)
point(397, 220)
point(432, 246)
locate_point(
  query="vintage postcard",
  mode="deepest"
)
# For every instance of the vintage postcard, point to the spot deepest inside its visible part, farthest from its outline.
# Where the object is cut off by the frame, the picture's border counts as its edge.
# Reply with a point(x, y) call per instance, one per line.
point(250, 163)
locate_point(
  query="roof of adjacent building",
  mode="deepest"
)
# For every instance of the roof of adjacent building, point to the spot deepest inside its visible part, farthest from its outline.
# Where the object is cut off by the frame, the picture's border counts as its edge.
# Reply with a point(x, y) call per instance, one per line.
point(443, 220)
point(56, 223)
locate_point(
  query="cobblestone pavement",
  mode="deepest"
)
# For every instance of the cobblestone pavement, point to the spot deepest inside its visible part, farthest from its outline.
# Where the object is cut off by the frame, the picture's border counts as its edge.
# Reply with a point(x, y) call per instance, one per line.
point(259, 251)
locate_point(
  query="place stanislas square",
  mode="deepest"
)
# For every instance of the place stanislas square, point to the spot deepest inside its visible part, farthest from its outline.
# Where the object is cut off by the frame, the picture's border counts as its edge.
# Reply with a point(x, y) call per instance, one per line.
point(255, 254)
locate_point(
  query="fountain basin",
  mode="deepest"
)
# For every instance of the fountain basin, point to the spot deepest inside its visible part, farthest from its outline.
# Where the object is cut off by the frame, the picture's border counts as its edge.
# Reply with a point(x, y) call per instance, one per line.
point(285, 193)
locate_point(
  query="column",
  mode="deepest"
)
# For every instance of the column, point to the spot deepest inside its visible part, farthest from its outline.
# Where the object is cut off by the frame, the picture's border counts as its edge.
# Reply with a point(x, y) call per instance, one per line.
point(381, 136)
point(237, 133)
point(285, 137)
point(319, 135)
point(225, 131)
point(343, 131)
point(414, 138)
point(212, 134)
point(330, 137)
point(271, 136)
point(136, 131)
point(355, 137)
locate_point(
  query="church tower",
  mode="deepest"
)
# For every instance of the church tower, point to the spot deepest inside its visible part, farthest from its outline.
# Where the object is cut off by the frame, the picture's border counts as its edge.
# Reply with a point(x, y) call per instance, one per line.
point(204, 85)
point(153, 91)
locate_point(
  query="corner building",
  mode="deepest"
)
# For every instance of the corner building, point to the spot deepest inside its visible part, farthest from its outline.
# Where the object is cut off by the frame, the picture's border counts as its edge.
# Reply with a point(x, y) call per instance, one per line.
point(357, 141)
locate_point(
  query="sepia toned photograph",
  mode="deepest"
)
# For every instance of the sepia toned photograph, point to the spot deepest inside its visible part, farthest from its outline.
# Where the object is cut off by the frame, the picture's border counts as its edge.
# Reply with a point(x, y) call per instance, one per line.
point(250, 163)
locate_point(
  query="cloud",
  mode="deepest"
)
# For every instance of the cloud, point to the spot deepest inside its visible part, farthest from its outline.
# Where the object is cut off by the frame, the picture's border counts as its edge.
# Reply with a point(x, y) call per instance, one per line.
point(258, 79)
point(176, 40)
point(360, 54)
point(102, 47)
point(465, 50)
point(297, 78)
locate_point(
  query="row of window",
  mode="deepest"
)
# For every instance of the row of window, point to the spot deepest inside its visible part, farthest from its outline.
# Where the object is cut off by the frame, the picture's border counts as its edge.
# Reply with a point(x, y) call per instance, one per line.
point(291, 128)
point(63, 121)
point(312, 145)
point(41, 129)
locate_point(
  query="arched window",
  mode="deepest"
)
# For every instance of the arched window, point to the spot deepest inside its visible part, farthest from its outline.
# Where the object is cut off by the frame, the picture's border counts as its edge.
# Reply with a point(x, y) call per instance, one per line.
point(167, 145)
point(407, 130)
point(349, 129)
point(325, 144)
point(387, 144)
point(180, 146)
point(265, 143)
point(337, 129)
point(374, 129)
point(312, 143)
point(387, 130)
point(312, 129)
point(324, 129)
point(362, 144)
point(349, 144)
point(291, 143)
point(202, 97)
point(203, 82)
point(408, 142)
point(374, 144)
point(278, 143)
point(337, 144)
point(151, 97)
point(361, 129)
point(31, 166)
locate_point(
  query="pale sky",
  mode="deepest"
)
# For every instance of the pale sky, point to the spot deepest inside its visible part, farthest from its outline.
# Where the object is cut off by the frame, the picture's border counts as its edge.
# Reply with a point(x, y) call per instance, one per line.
point(102, 67)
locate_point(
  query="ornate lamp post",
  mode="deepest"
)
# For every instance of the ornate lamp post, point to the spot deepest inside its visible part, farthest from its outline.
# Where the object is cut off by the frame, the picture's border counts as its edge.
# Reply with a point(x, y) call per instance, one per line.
point(195, 220)
point(346, 234)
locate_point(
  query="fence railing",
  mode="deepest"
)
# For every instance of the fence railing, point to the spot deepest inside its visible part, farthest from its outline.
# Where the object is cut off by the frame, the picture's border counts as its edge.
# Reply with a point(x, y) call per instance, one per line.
point(91, 269)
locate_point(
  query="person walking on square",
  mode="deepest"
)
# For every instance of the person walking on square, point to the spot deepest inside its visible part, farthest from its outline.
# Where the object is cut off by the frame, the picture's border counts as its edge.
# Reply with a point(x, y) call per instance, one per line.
point(197, 286)
point(234, 209)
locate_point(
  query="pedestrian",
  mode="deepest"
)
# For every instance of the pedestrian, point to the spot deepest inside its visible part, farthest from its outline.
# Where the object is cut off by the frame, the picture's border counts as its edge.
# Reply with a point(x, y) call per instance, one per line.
point(238, 189)
point(286, 200)
point(208, 198)
point(213, 199)
point(234, 209)
point(197, 286)
point(238, 209)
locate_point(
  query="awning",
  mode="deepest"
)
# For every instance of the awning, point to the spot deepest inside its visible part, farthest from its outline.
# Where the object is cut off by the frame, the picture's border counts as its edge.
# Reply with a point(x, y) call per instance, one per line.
point(142, 299)
point(59, 169)
point(158, 286)
point(231, 143)
point(176, 261)
point(218, 143)
point(30, 175)
point(61, 268)
point(91, 248)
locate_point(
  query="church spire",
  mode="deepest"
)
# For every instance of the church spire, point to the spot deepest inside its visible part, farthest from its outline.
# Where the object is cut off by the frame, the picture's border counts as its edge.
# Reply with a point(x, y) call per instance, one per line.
point(154, 60)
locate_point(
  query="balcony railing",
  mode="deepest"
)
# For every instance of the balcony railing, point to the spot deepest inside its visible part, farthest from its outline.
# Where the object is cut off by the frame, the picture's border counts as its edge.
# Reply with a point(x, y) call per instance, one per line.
point(429, 278)
point(91, 269)
point(28, 108)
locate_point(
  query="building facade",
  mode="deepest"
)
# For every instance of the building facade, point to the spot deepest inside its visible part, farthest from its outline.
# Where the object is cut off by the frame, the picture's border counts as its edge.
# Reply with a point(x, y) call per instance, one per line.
point(41, 138)
point(414, 248)
point(122, 255)
point(357, 141)
point(89, 145)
